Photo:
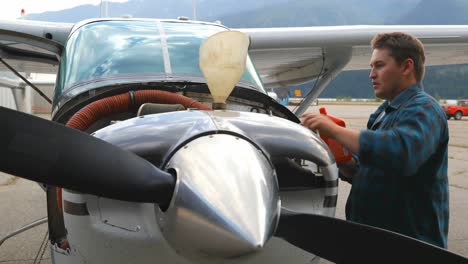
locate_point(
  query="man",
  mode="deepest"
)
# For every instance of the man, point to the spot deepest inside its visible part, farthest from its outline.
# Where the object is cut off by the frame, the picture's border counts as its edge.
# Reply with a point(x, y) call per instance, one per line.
point(399, 179)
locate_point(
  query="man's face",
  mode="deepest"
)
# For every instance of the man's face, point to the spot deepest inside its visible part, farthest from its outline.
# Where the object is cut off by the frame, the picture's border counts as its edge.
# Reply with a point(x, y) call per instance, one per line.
point(386, 74)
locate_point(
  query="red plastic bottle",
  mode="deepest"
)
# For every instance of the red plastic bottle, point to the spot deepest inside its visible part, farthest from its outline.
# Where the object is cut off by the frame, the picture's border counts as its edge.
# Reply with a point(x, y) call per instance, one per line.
point(341, 153)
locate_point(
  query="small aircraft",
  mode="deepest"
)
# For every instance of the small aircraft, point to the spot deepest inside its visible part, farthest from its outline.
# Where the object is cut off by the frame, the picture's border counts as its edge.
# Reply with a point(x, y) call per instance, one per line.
point(165, 147)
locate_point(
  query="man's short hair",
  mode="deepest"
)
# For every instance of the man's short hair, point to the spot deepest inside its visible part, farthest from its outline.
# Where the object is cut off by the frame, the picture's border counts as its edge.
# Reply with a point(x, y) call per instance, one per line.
point(402, 46)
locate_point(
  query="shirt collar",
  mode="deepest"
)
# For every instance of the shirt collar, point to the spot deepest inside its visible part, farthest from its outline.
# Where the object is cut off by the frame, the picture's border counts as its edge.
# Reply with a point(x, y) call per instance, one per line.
point(404, 96)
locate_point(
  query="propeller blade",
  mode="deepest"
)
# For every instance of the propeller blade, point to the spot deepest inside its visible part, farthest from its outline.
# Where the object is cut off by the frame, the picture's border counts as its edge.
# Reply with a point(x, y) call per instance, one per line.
point(51, 153)
point(342, 241)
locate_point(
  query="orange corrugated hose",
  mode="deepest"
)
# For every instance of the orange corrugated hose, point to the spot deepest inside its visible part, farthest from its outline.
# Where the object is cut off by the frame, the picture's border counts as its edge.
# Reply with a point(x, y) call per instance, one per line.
point(91, 113)
point(120, 103)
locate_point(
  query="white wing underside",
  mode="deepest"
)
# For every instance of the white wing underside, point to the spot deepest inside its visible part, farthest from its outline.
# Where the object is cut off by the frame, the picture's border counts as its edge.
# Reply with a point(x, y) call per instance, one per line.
point(286, 56)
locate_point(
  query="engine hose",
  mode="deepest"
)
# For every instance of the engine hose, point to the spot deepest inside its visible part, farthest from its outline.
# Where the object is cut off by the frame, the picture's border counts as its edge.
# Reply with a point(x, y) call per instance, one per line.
point(120, 103)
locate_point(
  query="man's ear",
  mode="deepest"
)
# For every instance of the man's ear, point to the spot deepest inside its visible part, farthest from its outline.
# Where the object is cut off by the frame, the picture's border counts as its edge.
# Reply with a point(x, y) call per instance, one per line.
point(407, 67)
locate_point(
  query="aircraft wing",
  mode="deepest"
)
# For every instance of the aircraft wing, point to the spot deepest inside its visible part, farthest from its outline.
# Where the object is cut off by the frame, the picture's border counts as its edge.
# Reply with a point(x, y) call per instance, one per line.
point(291, 56)
point(32, 46)
point(283, 56)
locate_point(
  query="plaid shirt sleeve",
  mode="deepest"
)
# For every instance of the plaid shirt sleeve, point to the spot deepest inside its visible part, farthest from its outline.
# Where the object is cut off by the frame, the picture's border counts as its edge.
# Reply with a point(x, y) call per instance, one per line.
point(411, 134)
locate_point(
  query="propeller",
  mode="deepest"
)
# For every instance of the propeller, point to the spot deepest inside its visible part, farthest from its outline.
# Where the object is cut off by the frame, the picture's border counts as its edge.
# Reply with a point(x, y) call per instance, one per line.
point(347, 242)
point(43, 151)
point(51, 153)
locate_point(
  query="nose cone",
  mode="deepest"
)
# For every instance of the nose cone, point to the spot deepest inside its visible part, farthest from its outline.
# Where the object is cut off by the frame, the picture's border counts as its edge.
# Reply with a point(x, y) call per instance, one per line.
point(226, 200)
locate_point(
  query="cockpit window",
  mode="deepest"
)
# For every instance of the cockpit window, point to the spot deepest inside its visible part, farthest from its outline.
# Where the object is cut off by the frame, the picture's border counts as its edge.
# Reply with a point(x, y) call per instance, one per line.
point(184, 44)
point(108, 48)
point(116, 49)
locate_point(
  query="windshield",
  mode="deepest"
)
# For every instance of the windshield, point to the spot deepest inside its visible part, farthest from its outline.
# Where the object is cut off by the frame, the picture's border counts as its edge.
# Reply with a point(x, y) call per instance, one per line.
point(117, 49)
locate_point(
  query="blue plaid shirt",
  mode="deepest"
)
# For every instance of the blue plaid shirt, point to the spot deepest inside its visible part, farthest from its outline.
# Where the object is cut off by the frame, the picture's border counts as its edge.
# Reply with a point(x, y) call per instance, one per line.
point(402, 184)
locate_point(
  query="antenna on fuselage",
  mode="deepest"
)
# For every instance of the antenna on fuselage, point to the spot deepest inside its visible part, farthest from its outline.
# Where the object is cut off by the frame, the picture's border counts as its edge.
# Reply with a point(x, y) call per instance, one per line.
point(223, 58)
point(194, 9)
point(105, 9)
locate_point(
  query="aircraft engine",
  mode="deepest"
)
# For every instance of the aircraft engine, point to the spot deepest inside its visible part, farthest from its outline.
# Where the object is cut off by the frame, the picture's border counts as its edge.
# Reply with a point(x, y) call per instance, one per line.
point(236, 173)
point(205, 186)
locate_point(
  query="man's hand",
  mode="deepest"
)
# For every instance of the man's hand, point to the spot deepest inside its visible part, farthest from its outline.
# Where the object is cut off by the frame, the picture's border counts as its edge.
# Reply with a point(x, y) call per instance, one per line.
point(319, 122)
point(349, 138)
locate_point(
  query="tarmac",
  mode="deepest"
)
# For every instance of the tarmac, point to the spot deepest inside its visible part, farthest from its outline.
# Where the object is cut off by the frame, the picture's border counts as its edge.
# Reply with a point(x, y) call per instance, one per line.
point(23, 201)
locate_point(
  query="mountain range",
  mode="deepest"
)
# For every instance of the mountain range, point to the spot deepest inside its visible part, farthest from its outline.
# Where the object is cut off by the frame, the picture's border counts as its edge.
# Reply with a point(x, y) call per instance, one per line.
point(280, 13)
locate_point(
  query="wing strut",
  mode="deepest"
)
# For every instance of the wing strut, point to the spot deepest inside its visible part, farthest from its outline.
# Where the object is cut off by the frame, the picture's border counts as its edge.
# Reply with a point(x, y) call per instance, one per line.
point(318, 87)
point(336, 60)
point(26, 81)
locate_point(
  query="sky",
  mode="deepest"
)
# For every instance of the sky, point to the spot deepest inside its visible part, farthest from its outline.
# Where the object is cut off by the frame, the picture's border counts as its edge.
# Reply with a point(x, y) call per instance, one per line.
point(12, 9)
